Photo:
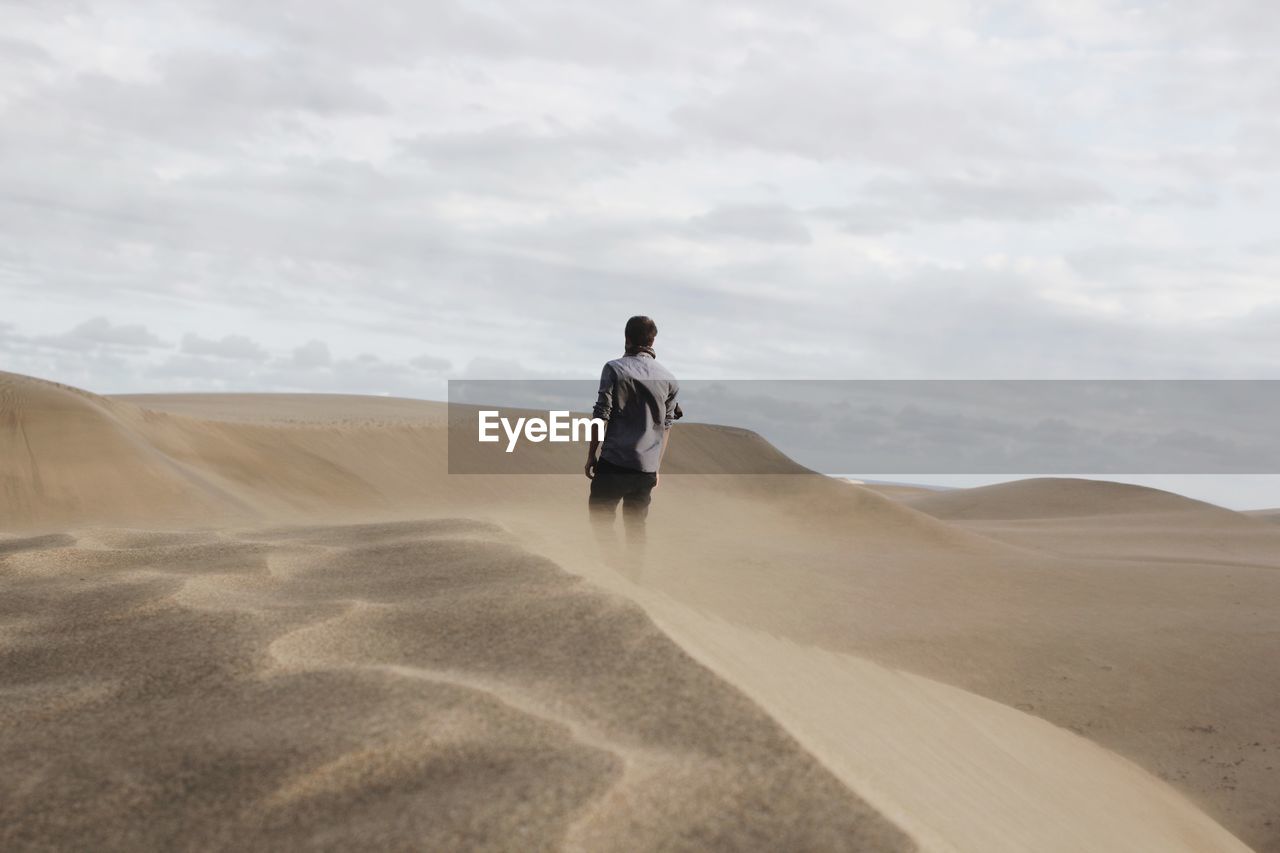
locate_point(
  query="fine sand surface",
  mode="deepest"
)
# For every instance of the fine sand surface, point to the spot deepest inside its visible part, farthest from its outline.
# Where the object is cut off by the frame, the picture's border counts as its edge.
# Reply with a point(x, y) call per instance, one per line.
point(416, 684)
point(893, 490)
point(1271, 515)
point(270, 621)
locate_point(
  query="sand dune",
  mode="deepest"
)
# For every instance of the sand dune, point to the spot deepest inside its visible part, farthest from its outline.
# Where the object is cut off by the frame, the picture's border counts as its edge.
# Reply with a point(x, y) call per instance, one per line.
point(1104, 520)
point(898, 491)
point(1057, 497)
point(69, 455)
point(1163, 662)
point(261, 620)
point(932, 757)
point(1271, 516)
point(427, 683)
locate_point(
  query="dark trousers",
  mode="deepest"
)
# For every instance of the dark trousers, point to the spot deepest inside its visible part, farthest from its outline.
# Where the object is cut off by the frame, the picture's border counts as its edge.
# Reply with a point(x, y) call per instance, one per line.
point(614, 483)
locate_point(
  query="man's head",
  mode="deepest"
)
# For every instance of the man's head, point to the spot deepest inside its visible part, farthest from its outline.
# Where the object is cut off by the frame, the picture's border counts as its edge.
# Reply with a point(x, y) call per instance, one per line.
point(641, 331)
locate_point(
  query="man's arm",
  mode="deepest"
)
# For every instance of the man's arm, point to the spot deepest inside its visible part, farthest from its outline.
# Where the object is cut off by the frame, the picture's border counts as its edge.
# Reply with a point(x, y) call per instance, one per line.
point(603, 410)
point(666, 430)
point(657, 475)
point(590, 468)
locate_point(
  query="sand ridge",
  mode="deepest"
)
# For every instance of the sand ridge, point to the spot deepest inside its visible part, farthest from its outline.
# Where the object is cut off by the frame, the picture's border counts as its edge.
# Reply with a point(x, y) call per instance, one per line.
point(463, 695)
point(315, 556)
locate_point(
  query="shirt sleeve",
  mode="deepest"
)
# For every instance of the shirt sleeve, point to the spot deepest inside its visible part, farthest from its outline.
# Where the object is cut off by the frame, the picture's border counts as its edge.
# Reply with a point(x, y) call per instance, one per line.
point(671, 406)
point(604, 397)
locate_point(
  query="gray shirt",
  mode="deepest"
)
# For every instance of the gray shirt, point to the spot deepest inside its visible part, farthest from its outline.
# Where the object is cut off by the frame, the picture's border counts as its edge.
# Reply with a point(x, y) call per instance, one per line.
point(637, 399)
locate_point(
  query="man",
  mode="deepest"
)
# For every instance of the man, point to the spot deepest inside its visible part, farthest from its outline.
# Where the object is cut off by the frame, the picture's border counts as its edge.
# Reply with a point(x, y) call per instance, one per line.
point(637, 401)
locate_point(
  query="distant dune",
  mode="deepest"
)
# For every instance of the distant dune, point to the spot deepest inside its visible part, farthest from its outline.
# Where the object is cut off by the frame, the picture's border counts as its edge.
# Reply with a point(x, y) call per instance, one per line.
point(276, 620)
point(1268, 515)
point(1105, 520)
point(1056, 497)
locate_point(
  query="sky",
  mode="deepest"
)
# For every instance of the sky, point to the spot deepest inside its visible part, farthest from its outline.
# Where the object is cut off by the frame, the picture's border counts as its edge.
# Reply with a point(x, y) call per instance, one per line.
point(376, 197)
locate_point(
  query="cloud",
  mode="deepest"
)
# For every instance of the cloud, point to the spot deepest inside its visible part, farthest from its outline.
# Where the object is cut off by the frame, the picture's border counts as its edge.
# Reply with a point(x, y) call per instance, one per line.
point(892, 204)
point(229, 346)
point(100, 332)
point(612, 36)
point(187, 372)
point(240, 99)
point(819, 189)
point(431, 363)
point(485, 368)
point(830, 110)
point(21, 52)
point(764, 223)
point(544, 157)
point(311, 354)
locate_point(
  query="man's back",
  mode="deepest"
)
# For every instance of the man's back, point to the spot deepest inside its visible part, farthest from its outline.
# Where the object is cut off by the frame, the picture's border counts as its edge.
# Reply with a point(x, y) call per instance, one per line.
point(637, 397)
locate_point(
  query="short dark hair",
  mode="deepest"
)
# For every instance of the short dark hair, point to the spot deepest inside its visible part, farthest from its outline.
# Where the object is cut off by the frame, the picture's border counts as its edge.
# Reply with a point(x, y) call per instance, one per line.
point(641, 331)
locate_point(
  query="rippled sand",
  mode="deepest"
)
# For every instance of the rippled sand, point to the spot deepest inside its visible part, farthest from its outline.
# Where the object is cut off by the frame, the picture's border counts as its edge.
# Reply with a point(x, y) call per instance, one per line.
point(276, 621)
point(425, 684)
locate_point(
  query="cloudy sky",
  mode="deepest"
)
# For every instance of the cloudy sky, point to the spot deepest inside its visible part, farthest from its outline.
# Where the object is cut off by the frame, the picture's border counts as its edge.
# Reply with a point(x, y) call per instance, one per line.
point(373, 197)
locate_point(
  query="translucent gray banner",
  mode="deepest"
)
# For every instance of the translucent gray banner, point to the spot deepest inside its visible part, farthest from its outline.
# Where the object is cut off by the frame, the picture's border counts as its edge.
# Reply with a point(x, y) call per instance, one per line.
point(896, 426)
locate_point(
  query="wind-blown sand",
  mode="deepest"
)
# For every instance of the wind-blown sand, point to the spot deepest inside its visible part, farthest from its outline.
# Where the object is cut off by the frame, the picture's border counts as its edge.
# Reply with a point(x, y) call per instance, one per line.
point(270, 621)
